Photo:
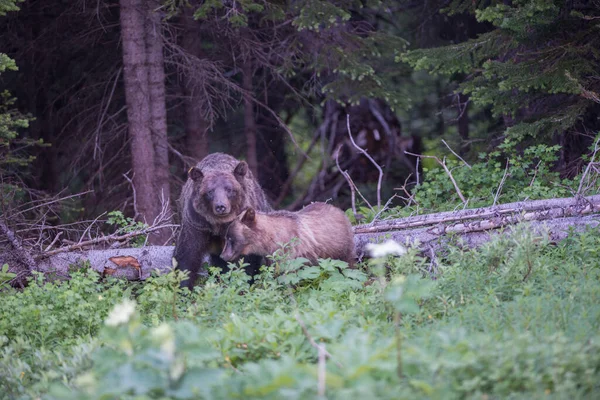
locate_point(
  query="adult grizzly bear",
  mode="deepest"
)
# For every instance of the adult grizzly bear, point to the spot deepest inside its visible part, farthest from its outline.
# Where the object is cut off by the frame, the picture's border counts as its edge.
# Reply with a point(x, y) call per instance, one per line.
point(218, 189)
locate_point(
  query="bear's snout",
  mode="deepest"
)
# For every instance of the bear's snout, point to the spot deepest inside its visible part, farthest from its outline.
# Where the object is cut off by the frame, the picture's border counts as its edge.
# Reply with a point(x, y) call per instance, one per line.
point(220, 209)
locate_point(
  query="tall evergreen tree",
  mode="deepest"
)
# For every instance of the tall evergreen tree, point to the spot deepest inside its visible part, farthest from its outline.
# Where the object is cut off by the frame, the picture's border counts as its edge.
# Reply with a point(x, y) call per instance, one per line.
point(146, 112)
point(536, 70)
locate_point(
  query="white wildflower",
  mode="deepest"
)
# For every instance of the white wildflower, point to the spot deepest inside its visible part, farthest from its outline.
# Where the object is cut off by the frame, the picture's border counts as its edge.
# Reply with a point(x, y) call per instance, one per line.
point(121, 313)
point(164, 335)
point(177, 369)
point(389, 247)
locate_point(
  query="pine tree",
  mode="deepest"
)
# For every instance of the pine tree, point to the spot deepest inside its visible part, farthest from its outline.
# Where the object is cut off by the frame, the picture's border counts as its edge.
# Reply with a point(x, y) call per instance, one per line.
point(11, 120)
point(536, 70)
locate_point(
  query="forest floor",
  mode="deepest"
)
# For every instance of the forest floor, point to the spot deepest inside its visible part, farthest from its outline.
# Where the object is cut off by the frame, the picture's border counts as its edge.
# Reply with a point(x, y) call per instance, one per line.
point(518, 317)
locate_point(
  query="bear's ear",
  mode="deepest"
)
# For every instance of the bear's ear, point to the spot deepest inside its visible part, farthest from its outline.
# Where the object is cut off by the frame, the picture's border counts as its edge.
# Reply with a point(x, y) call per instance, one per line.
point(249, 217)
point(241, 169)
point(195, 174)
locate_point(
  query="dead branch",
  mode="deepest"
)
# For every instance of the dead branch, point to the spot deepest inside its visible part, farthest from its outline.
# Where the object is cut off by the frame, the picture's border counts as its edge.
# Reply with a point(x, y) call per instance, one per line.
point(350, 183)
point(443, 165)
point(58, 235)
point(130, 180)
point(457, 156)
point(47, 203)
point(312, 341)
point(104, 239)
point(501, 183)
point(370, 159)
point(587, 168)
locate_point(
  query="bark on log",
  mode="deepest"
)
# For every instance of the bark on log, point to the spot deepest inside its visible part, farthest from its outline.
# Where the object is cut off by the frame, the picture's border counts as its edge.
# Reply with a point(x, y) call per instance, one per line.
point(433, 239)
point(502, 214)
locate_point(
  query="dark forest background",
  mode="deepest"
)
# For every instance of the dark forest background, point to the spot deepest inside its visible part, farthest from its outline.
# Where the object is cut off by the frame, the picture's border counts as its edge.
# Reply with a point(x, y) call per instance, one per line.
point(106, 103)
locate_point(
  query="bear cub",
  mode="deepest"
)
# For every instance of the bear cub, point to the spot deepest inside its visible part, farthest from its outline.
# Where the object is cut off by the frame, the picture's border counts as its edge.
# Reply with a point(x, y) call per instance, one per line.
point(218, 188)
point(322, 229)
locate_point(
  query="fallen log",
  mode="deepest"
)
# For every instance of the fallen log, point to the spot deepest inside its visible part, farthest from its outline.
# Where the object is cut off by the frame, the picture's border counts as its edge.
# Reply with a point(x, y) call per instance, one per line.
point(555, 217)
point(500, 215)
point(138, 263)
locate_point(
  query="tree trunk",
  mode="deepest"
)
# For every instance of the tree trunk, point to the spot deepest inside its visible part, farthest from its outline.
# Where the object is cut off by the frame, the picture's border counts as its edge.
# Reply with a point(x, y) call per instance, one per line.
point(135, 74)
point(158, 112)
point(196, 127)
point(249, 122)
point(144, 78)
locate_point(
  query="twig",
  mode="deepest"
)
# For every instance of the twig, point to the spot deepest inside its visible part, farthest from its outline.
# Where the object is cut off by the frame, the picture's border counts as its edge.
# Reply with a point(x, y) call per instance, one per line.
point(351, 182)
point(410, 197)
point(587, 168)
point(535, 173)
point(54, 241)
point(135, 209)
point(187, 161)
point(501, 183)
point(51, 202)
point(104, 239)
point(397, 321)
point(459, 157)
point(89, 227)
point(370, 159)
point(321, 371)
point(347, 177)
point(447, 172)
point(417, 170)
point(387, 203)
point(312, 341)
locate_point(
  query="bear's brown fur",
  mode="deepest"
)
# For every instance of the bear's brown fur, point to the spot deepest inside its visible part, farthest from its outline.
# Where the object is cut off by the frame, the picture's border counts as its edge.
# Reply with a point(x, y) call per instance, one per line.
point(218, 189)
point(322, 229)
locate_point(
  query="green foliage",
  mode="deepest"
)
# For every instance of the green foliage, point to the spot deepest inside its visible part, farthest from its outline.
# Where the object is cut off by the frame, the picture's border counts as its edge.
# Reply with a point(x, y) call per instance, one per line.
point(517, 318)
point(5, 277)
point(537, 63)
point(526, 175)
point(127, 225)
point(316, 15)
point(357, 62)
point(56, 312)
point(5, 7)
point(12, 148)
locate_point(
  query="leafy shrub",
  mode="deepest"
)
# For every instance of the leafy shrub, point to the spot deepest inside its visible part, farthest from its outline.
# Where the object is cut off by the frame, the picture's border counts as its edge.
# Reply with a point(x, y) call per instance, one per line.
point(527, 175)
point(516, 318)
point(51, 313)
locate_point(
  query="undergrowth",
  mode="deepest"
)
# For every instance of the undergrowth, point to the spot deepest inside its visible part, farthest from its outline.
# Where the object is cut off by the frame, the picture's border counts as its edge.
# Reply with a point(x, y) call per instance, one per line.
point(517, 318)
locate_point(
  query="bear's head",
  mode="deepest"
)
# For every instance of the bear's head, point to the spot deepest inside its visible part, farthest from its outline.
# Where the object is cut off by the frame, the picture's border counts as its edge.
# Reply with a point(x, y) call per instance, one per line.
point(239, 237)
point(219, 195)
